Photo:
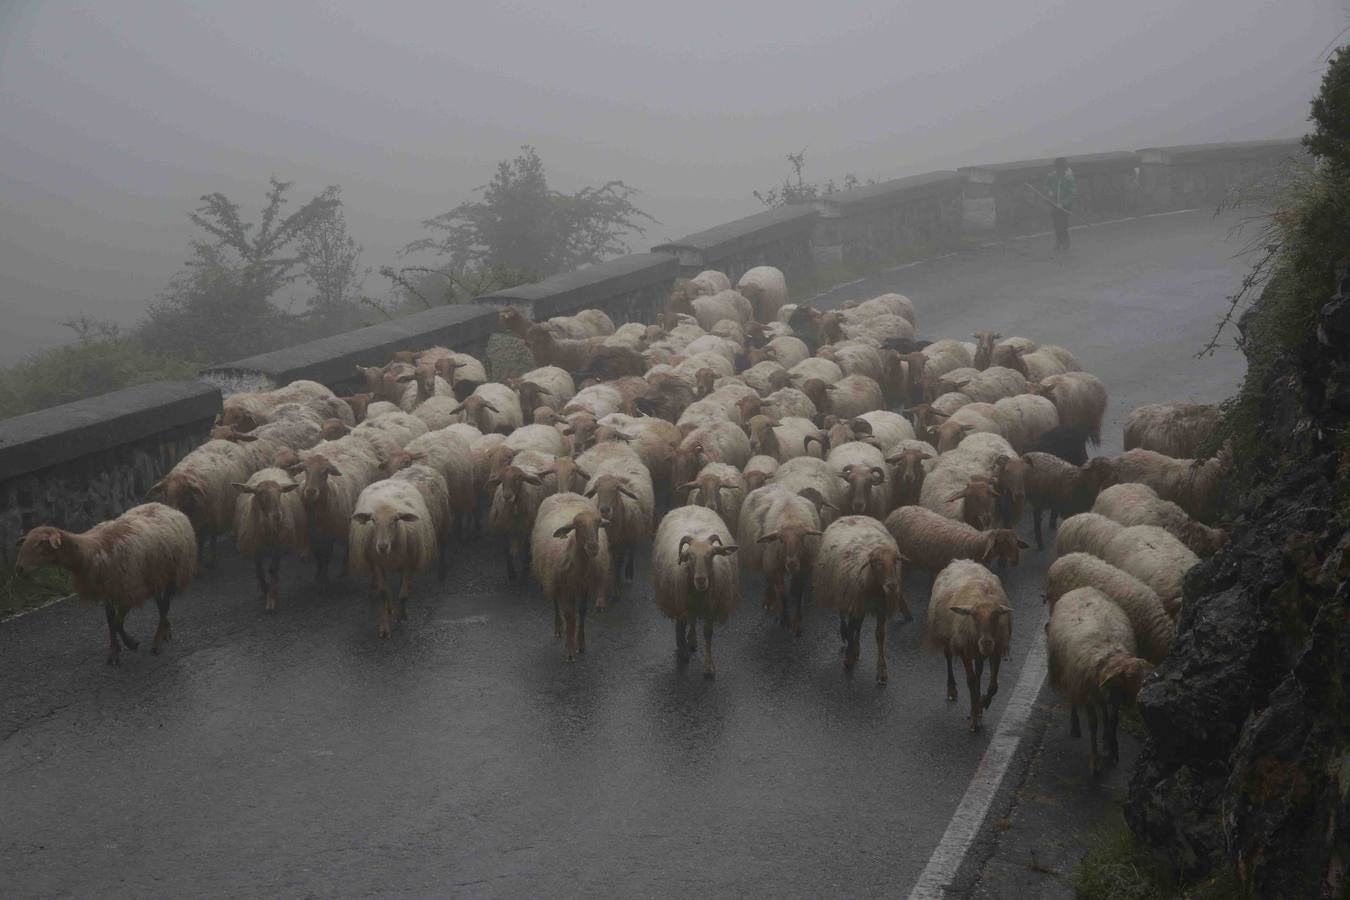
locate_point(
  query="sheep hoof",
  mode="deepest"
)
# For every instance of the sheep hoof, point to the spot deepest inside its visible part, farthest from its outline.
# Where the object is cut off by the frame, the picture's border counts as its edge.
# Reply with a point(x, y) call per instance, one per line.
point(881, 679)
point(709, 674)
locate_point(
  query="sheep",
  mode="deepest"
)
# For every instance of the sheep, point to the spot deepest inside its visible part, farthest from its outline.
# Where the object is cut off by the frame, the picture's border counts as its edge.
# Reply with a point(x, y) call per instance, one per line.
point(1153, 629)
point(546, 385)
point(731, 330)
point(380, 408)
point(569, 555)
point(438, 412)
point(785, 350)
point(293, 427)
point(148, 551)
point(877, 328)
point(890, 429)
point(1154, 557)
point(695, 577)
point(247, 411)
point(973, 418)
point(517, 490)
point(450, 453)
point(815, 367)
point(1064, 441)
point(1189, 483)
point(766, 289)
point(200, 486)
point(1062, 488)
point(855, 358)
point(984, 348)
point(894, 378)
point(783, 438)
point(961, 484)
point(993, 384)
point(908, 472)
point(598, 400)
point(1086, 533)
point(766, 377)
point(857, 571)
point(789, 401)
point(587, 323)
point(940, 357)
point(816, 480)
point(493, 407)
point(391, 531)
point(719, 487)
point(1093, 663)
point(389, 432)
point(332, 475)
point(710, 345)
point(709, 282)
point(862, 468)
point(885, 304)
point(1139, 504)
point(711, 309)
point(622, 490)
point(574, 355)
point(1080, 400)
point(783, 529)
point(1025, 419)
point(931, 541)
point(969, 617)
point(1178, 430)
point(421, 386)
point(653, 439)
point(758, 470)
point(1039, 363)
point(849, 397)
point(730, 403)
point(714, 441)
point(464, 373)
point(269, 518)
point(382, 382)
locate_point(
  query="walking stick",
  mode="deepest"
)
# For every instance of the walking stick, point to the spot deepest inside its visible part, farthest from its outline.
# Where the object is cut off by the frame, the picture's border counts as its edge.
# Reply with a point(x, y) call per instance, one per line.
point(1046, 197)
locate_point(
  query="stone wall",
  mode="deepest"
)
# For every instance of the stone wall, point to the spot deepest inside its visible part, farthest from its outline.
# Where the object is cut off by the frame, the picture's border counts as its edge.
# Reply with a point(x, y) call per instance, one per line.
point(78, 464)
point(879, 222)
point(779, 237)
point(1204, 174)
point(631, 288)
point(1108, 188)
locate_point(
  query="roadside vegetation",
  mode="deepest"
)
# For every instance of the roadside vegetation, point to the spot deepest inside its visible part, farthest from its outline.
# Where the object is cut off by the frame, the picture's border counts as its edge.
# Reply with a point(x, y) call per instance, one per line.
point(1119, 868)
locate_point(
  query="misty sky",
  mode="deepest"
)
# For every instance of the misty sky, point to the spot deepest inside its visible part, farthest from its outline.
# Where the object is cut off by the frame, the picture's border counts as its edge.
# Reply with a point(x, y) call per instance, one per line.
point(116, 117)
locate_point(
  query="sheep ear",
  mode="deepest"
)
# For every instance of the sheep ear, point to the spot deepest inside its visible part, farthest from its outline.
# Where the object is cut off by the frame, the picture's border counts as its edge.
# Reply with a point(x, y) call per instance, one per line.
point(1003, 611)
point(457, 409)
point(493, 481)
point(565, 530)
point(766, 538)
point(407, 517)
point(589, 494)
point(960, 610)
point(54, 540)
point(959, 495)
point(627, 493)
point(361, 518)
point(242, 488)
point(404, 379)
point(532, 479)
point(332, 472)
point(287, 488)
point(725, 549)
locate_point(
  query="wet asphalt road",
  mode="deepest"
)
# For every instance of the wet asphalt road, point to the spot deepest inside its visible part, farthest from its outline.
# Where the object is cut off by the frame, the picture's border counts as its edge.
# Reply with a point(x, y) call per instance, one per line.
point(294, 754)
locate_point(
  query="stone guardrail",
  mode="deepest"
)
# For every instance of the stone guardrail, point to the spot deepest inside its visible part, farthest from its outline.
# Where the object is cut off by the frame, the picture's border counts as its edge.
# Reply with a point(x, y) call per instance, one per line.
point(79, 463)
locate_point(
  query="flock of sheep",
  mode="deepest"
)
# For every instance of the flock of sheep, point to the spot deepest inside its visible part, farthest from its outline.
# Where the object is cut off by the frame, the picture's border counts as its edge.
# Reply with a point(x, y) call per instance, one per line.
point(823, 450)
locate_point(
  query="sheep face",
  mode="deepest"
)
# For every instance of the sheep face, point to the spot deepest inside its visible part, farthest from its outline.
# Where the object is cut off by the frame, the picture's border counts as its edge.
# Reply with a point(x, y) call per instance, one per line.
point(762, 439)
point(568, 476)
point(831, 326)
point(388, 528)
point(667, 399)
point(332, 429)
point(797, 549)
point(267, 503)
point(546, 415)
point(237, 419)
point(1002, 545)
point(608, 493)
point(1124, 676)
point(703, 382)
point(979, 496)
point(686, 461)
point(315, 471)
point(755, 478)
point(984, 348)
point(915, 377)
point(531, 395)
point(40, 547)
point(584, 532)
point(510, 485)
point(476, 413)
point(909, 471)
point(817, 390)
point(749, 407)
point(424, 376)
point(862, 480)
point(988, 621)
point(697, 554)
point(358, 404)
point(710, 488)
point(184, 492)
point(836, 432)
point(1012, 478)
point(883, 573)
point(950, 434)
point(400, 459)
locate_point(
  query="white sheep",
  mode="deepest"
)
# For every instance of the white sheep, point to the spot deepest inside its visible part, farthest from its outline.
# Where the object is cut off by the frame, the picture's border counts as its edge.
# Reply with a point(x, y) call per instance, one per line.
point(695, 577)
point(719, 487)
point(584, 324)
point(332, 475)
point(1154, 629)
point(890, 429)
point(569, 554)
point(1192, 484)
point(993, 384)
point(932, 541)
point(709, 282)
point(779, 531)
point(782, 438)
point(545, 386)
point(622, 489)
point(1179, 430)
point(714, 441)
point(1139, 504)
point(885, 304)
point(1025, 419)
point(766, 289)
point(908, 471)
point(517, 490)
point(1085, 533)
point(1154, 557)
point(786, 350)
point(391, 531)
point(816, 480)
point(201, 486)
point(269, 519)
point(148, 551)
point(857, 571)
point(493, 407)
point(789, 401)
point(815, 367)
point(438, 412)
point(969, 617)
point(1080, 400)
point(1093, 662)
point(862, 468)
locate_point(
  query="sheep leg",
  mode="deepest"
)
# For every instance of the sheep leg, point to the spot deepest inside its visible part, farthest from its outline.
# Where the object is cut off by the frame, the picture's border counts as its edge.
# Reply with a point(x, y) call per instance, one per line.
point(127, 640)
point(163, 631)
point(1075, 730)
point(557, 619)
point(973, 673)
point(380, 595)
point(114, 648)
point(709, 670)
point(581, 626)
point(274, 580)
point(1111, 722)
point(202, 564)
point(1036, 521)
point(882, 674)
point(854, 643)
point(615, 570)
point(771, 599)
point(570, 615)
point(691, 639)
point(843, 631)
point(681, 645)
point(1093, 762)
point(1054, 519)
point(994, 662)
point(511, 559)
point(404, 590)
point(443, 554)
point(951, 679)
point(260, 575)
point(798, 589)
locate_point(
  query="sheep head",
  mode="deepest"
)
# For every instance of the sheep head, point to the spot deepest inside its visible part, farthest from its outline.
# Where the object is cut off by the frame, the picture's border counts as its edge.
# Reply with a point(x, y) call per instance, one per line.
point(584, 532)
point(476, 409)
point(1101, 472)
point(984, 348)
point(710, 491)
point(881, 568)
point(949, 434)
point(400, 459)
point(818, 391)
point(1011, 479)
point(687, 459)
point(42, 546)
point(332, 429)
point(514, 321)
point(608, 491)
point(238, 419)
point(267, 501)
point(697, 555)
point(547, 415)
point(1002, 545)
point(830, 326)
point(793, 538)
point(704, 380)
point(531, 395)
point(1123, 675)
point(567, 475)
point(315, 470)
point(989, 621)
point(510, 486)
point(358, 403)
point(861, 481)
point(387, 523)
point(583, 426)
point(763, 440)
point(183, 491)
point(909, 471)
point(979, 496)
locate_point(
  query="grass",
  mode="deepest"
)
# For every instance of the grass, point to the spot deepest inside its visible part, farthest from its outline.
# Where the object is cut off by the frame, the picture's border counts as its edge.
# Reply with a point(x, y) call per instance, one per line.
point(20, 592)
point(1117, 867)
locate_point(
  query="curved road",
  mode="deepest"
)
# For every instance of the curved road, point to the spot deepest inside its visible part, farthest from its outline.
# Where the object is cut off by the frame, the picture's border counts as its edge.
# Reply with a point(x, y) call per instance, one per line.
point(296, 755)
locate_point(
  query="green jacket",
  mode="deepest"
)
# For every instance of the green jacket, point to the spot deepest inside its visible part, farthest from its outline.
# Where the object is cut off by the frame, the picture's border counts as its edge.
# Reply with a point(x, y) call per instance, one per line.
point(1062, 189)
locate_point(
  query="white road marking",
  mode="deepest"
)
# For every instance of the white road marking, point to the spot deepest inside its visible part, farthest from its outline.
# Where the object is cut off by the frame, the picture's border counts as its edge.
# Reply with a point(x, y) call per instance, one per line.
point(984, 784)
point(32, 609)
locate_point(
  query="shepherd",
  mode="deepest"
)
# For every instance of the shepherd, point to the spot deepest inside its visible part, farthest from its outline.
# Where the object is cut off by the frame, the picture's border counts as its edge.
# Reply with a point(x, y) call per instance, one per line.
point(1060, 188)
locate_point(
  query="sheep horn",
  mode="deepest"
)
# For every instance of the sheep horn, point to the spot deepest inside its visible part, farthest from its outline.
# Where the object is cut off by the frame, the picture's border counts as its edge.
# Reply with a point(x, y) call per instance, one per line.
point(771, 536)
point(959, 495)
point(878, 475)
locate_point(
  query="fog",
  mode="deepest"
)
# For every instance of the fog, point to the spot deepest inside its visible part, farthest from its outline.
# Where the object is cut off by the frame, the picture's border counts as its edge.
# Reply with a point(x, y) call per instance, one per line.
point(116, 117)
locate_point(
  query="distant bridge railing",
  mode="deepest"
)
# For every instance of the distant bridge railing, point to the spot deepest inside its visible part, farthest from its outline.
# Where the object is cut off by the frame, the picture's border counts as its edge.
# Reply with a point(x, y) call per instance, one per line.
point(83, 462)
